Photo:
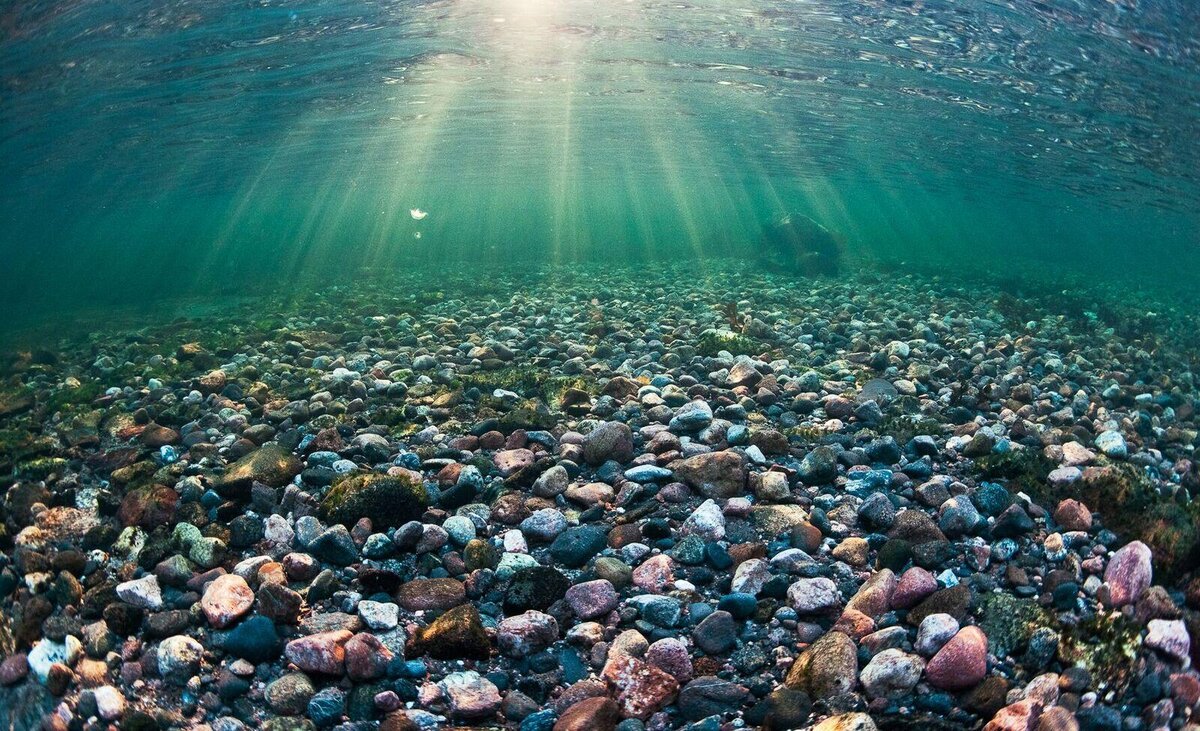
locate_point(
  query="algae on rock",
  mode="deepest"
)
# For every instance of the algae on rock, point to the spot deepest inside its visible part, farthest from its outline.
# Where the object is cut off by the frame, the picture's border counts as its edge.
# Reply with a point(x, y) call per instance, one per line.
point(388, 500)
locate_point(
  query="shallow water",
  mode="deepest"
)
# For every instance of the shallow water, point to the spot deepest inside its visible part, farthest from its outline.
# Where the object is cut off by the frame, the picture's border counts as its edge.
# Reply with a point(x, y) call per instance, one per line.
point(158, 149)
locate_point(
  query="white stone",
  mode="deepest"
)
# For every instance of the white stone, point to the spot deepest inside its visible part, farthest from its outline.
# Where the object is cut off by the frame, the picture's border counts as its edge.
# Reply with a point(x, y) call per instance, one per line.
point(46, 653)
point(110, 704)
point(143, 593)
point(379, 615)
point(935, 631)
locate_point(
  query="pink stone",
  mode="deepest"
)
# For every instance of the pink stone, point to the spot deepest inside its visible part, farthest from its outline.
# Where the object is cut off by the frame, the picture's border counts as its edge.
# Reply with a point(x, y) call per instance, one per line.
point(671, 656)
point(14, 669)
point(913, 586)
point(641, 689)
point(1128, 574)
point(226, 599)
point(1169, 636)
point(366, 657)
point(1019, 716)
point(961, 663)
point(509, 461)
point(874, 597)
point(592, 598)
point(324, 652)
point(655, 574)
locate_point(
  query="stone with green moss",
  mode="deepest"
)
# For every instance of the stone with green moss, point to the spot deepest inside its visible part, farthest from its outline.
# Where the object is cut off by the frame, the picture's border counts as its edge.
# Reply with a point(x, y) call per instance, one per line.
point(1009, 622)
point(388, 500)
point(271, 464)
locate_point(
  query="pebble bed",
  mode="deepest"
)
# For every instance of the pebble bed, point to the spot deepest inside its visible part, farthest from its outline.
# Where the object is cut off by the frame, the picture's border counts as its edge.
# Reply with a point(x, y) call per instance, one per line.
point(609, 498)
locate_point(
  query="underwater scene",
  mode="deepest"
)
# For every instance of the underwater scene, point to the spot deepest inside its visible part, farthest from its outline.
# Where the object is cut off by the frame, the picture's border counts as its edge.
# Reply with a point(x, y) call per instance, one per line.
point(599, 365)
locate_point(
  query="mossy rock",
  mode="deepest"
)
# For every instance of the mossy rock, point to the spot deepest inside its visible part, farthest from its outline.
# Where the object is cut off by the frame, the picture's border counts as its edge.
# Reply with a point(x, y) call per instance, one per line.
point(528, 417)
point(41, 468)
point(388, 500)
point(1021, 469)
point(15, 402)
point(271, 464)
point(1009, 622)
point(1107, 645)
point(712, 342)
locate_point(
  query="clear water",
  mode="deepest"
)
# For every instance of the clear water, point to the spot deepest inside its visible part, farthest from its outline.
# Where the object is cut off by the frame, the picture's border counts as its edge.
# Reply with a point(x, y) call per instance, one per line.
point(155, 149)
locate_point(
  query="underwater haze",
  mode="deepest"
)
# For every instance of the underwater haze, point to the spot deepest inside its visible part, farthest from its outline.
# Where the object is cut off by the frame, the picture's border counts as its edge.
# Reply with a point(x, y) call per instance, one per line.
point(151, 149)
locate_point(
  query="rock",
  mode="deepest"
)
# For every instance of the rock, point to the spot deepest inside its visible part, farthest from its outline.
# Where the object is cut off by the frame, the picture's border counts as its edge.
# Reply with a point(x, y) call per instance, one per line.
point(431, 594)
point(828, 667)
point(847, 722)
point(710, 696)
point(110, 702)
point(1112, 444)
point(743, 372)
point(655, 574)
point(143, 593)
point(527, 633)
point(270, 464)
point(379, 616)
point(640, 688)
point(961, 663)
point(671, 655)
point(536, 587)
point(456, 635)
point(1019, 716)
point(592, 599)
point(1169, 636)
point(226, 599)
point(1073, 515)
point(891, 674)
point(576, 546)
point(935, 631)
point(552, 482)
point(324, 652)
point(706, 521)
point(874, 597)
point(472, 696)
point(611, 440)
point(1128, 574)
point(179, 658)
point(717, 475)
point(289, 694)
point(366, 657)
point(254, 639)
point(814, 596)
point(389, 501)
point(818, 467)
point(716, 633)
point(510, 461)
point(590, 714)
point(691, 417)
point(47, 653)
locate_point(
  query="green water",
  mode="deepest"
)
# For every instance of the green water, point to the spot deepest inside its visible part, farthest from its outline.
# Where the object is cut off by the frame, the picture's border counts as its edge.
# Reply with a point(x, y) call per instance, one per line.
point(156, 150)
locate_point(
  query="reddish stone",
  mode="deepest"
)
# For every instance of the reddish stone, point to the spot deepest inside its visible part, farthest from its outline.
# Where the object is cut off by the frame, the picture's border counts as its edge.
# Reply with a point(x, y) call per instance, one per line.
point(961, 663)
point(590, 714)
point(913, 587)
point(655, 574)
point(1073, 515)
point(1128, 574)
point(324, 652)
point(14, 669)
point(1020, 716)
point(366, 657)
point(641, 688)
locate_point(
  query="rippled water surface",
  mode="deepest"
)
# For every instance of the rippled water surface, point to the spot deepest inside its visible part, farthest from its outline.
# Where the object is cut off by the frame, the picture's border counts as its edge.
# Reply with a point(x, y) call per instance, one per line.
point(153, 148)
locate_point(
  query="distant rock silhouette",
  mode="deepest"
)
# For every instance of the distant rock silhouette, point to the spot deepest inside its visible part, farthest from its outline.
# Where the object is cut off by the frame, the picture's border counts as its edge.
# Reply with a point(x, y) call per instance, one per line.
point(796, 241)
